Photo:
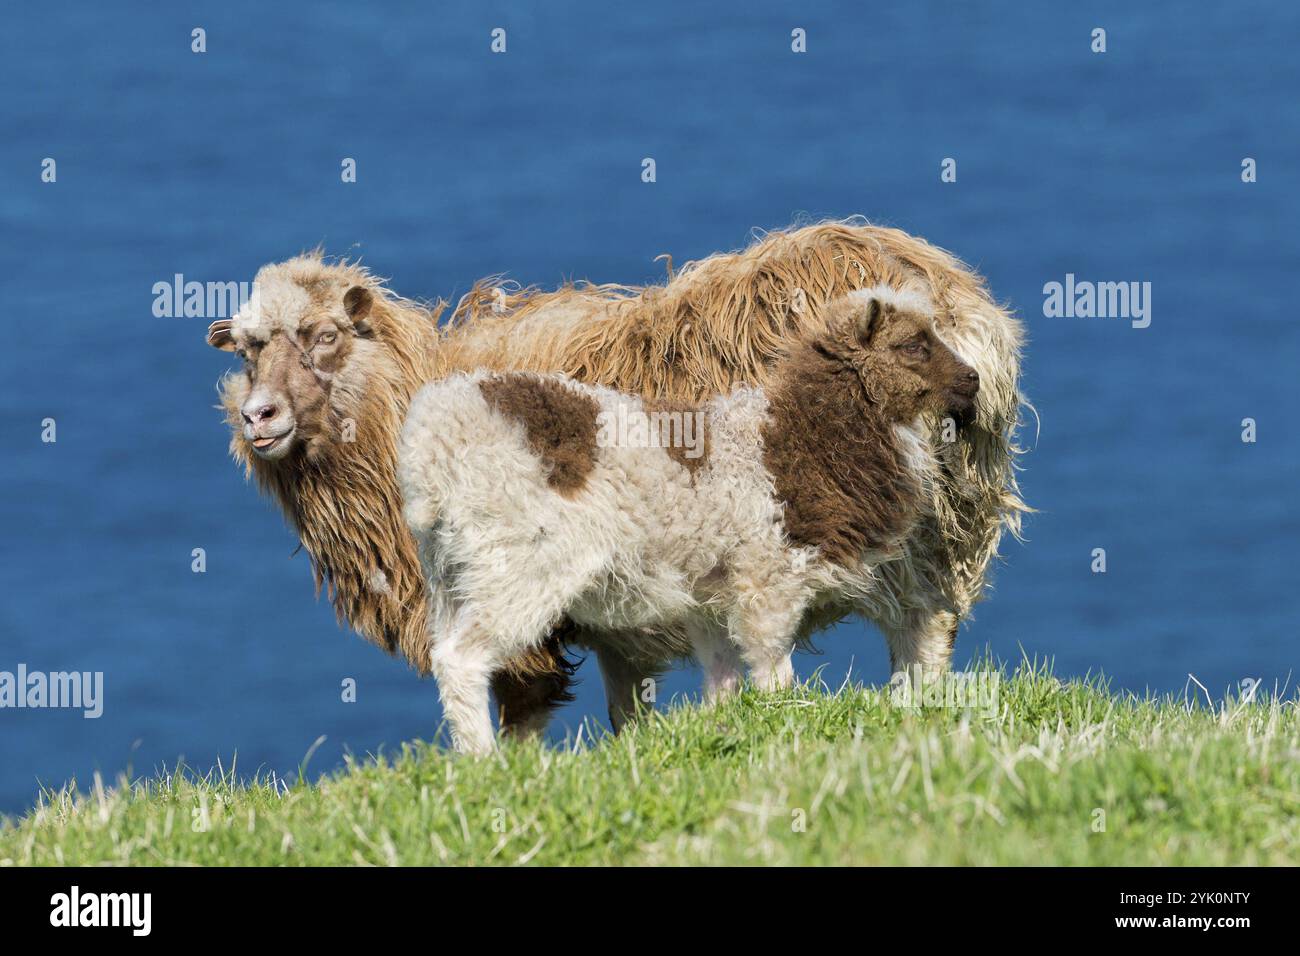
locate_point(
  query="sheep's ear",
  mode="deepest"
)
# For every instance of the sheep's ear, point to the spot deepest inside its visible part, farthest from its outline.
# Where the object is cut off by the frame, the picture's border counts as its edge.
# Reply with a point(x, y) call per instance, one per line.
point(219, 336)
point(869, 321)
point(357, 303)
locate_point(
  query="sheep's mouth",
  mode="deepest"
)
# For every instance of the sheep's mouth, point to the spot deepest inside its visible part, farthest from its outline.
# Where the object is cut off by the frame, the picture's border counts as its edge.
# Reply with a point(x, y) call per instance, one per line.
point(961, 406)
point(272, 446)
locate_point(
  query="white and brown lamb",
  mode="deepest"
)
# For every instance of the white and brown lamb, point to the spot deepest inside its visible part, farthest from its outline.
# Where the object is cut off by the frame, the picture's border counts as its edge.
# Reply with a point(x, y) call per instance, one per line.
point(528, 502)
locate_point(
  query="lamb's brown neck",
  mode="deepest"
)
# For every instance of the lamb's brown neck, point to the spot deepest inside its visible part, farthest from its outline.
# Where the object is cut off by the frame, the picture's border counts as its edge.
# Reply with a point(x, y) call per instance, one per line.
point(835, 460)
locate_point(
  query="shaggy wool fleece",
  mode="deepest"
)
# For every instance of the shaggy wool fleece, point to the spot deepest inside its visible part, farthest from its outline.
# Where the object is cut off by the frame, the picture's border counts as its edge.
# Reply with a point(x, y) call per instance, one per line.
point(716, 324)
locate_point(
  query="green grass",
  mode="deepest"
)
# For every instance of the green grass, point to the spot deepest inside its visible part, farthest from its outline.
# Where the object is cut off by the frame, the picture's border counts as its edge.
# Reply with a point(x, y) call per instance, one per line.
point(807, 777)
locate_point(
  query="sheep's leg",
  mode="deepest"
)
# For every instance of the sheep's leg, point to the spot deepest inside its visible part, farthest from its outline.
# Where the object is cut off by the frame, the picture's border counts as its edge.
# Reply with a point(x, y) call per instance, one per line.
point(922, 644)
point(625, 682)
point(524, 703)
point(528, 692)
point(719, 659)
point(463, 662)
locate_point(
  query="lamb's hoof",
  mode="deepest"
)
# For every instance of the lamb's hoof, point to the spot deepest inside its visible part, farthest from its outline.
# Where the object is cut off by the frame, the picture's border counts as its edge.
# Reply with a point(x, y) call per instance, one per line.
point(475, 749)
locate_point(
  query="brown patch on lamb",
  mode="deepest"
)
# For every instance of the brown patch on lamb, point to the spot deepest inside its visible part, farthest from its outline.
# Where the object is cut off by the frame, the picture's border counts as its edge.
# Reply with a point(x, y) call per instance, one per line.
point(560, 424)
point(843, 481)
point(677, 451)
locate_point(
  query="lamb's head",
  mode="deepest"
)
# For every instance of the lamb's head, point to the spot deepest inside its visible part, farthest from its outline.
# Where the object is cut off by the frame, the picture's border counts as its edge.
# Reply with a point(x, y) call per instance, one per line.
point(313, 347)
point(888, 337)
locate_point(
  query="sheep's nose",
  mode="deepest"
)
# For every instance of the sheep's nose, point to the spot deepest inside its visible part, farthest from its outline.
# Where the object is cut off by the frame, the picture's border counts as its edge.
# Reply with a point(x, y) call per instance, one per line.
point(259, 413)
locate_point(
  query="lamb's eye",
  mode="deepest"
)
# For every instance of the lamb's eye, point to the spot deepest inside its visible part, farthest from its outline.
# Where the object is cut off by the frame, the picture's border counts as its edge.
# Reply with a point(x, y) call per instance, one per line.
point(242, 353)
point(327, 338)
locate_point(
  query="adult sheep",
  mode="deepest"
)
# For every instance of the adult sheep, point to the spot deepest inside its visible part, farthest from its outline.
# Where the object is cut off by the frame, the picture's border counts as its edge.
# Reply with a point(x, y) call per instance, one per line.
point(332, 359)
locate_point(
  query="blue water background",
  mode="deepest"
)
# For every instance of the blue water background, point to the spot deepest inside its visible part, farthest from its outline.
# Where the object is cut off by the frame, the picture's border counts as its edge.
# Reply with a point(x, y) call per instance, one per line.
point(1116, 166)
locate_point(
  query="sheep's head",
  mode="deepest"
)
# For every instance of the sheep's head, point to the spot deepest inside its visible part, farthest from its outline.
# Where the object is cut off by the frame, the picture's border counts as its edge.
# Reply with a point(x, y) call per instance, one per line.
point(308, 344)
point(889, 339)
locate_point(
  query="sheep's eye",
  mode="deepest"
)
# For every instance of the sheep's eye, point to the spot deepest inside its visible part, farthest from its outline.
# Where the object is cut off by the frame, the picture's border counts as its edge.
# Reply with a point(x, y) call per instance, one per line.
point(913, 347)
point(242, 353)
point(327, 338)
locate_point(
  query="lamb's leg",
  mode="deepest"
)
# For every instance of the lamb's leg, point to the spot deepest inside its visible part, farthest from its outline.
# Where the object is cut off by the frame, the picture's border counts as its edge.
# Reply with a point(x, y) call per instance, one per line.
point(719, 659)
point(922, 644)
point(463, 662)
point(624, 677)
point(764, 626)
point(774, 672)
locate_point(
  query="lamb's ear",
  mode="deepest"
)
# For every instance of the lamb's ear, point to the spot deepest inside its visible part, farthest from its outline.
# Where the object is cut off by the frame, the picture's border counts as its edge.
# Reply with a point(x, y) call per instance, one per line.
point(219, 336)
point(357, 303)
point(869, 320)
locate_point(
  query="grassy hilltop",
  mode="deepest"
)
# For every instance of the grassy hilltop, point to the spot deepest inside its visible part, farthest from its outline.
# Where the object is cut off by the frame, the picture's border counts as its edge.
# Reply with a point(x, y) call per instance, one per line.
point(1065, 773)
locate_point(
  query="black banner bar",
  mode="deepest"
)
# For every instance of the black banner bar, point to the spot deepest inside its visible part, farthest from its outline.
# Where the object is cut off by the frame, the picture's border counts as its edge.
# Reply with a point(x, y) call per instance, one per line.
point(335, 905)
